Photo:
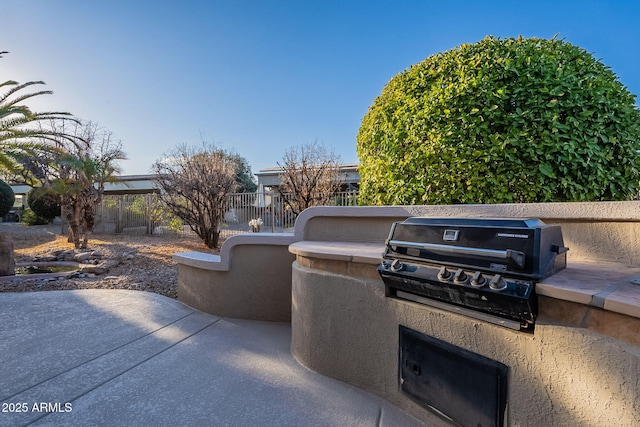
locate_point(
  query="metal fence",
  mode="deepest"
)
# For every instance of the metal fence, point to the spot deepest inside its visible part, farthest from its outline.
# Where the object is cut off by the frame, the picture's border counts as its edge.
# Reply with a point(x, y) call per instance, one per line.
point(131, 214)
point(145, 214)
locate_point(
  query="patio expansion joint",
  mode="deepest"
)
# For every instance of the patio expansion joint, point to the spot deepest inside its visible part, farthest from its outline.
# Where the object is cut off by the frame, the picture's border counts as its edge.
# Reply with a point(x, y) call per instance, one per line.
point(112, 352)
point(379, 417)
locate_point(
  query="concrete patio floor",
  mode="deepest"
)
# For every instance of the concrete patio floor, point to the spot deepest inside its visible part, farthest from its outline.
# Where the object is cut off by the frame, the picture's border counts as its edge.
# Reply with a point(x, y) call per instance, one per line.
point(125, 358)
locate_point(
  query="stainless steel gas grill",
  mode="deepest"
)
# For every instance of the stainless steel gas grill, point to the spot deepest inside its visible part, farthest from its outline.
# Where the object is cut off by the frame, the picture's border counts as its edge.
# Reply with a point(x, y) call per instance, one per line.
point(484, 268)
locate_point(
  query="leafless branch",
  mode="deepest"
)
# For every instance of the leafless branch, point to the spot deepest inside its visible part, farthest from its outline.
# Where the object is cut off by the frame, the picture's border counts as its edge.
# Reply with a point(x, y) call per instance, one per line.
point(309, 176)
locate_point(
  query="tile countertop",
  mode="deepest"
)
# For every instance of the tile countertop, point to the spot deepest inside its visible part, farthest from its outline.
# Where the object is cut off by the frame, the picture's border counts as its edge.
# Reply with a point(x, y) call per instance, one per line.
point(610, 286)
point(613, 287)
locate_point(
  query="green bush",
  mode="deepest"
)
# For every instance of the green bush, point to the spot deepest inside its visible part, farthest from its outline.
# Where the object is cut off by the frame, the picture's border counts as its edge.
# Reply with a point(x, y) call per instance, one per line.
point(7, 198)
point(501, 120)
point(30, 218)
point(43, 202)
point(176, 225)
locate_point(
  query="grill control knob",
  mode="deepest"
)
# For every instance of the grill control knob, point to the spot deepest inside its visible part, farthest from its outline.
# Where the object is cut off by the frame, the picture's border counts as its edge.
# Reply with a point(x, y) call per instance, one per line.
point(478, 280)
point(396, 265)
point(498, 283)
point(460, 278)
point(444, 275)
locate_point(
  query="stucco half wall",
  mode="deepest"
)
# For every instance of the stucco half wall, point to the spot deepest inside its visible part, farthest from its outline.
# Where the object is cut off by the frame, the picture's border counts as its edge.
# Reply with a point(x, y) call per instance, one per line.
point(599, 231)
point(251, 278)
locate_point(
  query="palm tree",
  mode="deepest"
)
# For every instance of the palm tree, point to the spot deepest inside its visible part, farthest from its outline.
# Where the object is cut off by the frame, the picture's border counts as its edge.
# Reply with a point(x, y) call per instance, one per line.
point(80, 177)
point(21, 128)
point(79, 160)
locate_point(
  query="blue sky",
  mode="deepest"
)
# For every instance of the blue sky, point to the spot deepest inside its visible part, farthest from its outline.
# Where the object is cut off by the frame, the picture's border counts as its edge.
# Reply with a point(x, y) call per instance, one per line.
point(257, 77)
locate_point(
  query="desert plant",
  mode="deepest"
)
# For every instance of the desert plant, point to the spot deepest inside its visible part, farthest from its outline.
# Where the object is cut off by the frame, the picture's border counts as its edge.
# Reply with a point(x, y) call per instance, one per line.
point(194, 183)
point(7, 198)
point(501, 120)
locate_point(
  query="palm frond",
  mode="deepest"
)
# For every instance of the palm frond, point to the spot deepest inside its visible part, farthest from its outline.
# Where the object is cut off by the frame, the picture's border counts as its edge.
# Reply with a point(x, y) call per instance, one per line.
point(21, 110)
point(19, 86)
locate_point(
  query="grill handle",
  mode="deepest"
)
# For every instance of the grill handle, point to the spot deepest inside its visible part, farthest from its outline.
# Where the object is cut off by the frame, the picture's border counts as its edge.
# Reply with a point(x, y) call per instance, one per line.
point(517, 256)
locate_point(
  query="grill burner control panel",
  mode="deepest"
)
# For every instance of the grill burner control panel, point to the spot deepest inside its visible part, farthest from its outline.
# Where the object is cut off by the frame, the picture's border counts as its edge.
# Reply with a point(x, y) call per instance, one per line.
point(489, 293)
point(473, 280)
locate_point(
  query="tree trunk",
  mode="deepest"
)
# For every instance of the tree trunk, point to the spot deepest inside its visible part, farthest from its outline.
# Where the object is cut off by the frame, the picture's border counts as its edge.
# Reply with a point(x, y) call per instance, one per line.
point(72, 215)
point(89, 223)
point(211, 239)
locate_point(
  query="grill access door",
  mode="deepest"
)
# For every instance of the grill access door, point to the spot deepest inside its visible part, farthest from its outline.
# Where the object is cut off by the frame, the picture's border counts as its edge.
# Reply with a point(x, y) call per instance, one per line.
point(463, 387)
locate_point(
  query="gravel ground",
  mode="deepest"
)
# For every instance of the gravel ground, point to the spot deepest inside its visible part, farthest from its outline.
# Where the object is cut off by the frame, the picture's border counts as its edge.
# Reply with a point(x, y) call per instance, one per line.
point(145, 266)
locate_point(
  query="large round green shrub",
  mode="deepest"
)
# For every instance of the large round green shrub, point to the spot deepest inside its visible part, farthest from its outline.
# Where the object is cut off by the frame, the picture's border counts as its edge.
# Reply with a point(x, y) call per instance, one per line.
point(501, 120)
point(7, 198)
point(43, 201)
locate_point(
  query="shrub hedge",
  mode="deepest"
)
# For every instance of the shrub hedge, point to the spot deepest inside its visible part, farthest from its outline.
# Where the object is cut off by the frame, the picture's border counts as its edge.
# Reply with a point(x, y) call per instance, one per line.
point(43, 202)
point(7, 198)
point(501, 120)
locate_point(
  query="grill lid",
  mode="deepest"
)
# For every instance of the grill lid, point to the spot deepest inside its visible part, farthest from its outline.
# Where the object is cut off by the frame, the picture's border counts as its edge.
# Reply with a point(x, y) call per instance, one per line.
point(525, 248)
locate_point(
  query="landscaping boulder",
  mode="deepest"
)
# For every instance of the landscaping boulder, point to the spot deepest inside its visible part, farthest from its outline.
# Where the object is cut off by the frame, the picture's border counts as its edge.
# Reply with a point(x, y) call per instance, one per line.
point(100, 268)
point(7, 257)
point(82, 256)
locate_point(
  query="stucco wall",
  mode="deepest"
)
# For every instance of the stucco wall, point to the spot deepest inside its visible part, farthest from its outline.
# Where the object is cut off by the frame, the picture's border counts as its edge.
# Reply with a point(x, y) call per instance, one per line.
point(344, 327)
point(354, 229)
point(603, 231)
point(607, 231)
point(256, 287)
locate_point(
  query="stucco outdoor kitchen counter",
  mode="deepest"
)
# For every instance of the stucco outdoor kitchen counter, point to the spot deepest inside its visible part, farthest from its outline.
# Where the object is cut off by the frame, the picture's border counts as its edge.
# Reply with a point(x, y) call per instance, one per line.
point(610, 286)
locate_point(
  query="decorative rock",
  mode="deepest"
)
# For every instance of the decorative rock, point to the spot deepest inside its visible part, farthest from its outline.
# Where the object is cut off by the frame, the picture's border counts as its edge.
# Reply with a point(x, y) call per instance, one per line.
point(93, 269)
point(82, 256)
point(47, 258)
point(7, 257)
point(91, 262)
point(127, 255)
point(101, 268)
point(110, 263)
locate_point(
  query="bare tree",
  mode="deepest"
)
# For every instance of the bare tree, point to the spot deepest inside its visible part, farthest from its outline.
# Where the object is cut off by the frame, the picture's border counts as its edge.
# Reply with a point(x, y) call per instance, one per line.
point(309, 176)
point(194, 183)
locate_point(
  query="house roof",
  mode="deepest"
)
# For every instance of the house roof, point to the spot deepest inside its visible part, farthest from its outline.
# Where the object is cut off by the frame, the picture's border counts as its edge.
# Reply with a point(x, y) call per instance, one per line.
point(124, 184)
point(270, 177)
